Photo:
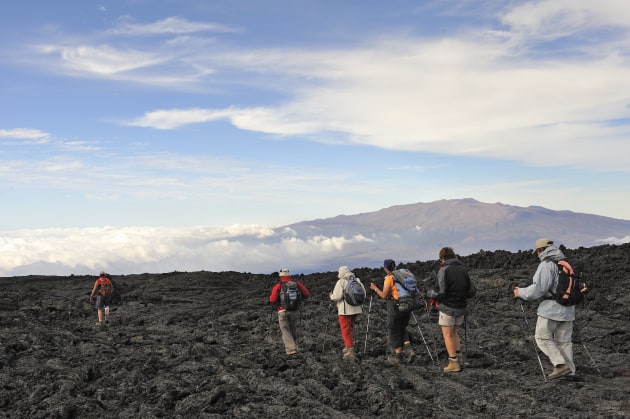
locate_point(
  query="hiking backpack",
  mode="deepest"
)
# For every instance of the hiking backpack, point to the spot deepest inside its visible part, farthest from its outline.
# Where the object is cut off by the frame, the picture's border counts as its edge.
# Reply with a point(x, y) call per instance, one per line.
point(290, 295)
point(354, 293)
point(571, 285)
point(408, 293)
point(106, 286)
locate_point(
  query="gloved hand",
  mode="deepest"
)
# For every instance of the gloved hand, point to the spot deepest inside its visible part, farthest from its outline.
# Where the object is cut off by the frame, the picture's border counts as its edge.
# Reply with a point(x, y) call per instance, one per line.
point(432, 294)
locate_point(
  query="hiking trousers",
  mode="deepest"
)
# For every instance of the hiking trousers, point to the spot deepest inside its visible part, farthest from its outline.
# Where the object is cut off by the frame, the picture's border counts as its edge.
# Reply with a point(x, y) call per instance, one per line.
point(554, 340)
point(397, 325)
point(288, 321)
point(346, 324)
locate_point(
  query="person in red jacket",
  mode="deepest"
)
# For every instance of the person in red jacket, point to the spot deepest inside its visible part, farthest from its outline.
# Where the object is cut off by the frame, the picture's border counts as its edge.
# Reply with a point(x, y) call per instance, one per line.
point(287, 294)
point(104, 287)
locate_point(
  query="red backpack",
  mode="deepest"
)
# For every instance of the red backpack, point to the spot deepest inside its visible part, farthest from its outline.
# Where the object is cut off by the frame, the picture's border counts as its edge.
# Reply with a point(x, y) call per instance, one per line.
point(106, 286)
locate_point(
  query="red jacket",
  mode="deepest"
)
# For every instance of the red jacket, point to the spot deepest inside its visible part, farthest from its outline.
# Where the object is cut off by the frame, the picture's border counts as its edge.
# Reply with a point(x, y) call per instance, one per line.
point(275, 291)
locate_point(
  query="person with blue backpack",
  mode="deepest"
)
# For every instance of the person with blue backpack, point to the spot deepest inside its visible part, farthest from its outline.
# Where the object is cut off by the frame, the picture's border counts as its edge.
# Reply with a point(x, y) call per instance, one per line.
point(397, 320)
point(349, 294)
point(287, 295)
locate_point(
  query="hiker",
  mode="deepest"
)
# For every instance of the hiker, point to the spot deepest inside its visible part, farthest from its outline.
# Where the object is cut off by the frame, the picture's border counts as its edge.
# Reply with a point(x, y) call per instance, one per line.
point(454, 287)
point(346, 311)
point(288, 308)
point(396, 321)
point(554, 326)
point(104, 287)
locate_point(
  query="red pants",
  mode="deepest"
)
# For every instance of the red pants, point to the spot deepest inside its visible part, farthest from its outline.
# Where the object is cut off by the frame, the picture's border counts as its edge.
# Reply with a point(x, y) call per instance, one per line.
point(346, 323)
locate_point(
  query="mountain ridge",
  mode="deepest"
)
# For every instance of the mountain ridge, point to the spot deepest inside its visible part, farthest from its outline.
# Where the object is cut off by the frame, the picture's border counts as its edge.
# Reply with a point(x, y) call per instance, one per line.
point(417, 231)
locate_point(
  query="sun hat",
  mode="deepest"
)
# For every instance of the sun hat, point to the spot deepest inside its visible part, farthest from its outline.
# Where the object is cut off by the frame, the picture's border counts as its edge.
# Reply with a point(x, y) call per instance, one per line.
point(344, 272)
point(542, 243)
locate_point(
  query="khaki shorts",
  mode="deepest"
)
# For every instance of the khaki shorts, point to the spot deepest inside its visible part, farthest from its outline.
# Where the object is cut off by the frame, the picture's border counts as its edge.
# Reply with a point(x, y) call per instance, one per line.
point(446, 320)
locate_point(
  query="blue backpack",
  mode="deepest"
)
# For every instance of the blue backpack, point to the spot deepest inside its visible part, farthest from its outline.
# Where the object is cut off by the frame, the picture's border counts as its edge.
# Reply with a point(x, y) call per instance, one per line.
point(408, 293)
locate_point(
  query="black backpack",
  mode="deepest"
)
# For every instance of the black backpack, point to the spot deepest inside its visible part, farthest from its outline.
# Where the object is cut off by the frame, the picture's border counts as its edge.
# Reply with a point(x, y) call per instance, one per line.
point(408, 293)
point(571, 283)
point(290, 295)
point(354, 293)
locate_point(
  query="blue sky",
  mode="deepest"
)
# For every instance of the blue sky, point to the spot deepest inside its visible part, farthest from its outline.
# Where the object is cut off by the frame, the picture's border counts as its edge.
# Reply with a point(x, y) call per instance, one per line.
point(124, 123)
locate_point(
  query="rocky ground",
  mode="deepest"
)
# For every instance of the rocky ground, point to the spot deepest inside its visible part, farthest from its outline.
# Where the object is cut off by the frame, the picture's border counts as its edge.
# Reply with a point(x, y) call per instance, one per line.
point(205, 344)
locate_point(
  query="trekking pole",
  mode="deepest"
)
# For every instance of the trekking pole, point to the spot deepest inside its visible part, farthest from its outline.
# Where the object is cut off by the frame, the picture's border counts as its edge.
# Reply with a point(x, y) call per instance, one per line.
point(534, 342)
point(422, 336)
point(426, 305)
point(465, 336)
point(326, 326)
point(367, 327)
point(579, 337)
point(269, 325)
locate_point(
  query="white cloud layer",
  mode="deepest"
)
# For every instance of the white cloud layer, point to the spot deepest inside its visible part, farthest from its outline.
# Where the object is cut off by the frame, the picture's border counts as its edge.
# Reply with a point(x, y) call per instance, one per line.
point(242, 248)
point(135, 250)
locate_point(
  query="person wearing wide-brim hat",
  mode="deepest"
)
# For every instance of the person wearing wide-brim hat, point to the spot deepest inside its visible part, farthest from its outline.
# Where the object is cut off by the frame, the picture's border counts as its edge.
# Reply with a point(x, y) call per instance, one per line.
point(554, 326)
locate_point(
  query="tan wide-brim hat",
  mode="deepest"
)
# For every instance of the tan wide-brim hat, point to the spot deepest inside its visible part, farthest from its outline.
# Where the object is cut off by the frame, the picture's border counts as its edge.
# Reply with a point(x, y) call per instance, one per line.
point(541, 243)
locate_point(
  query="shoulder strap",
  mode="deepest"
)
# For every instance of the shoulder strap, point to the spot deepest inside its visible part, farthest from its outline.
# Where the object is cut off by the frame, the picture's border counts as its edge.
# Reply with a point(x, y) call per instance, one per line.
point(564, 265)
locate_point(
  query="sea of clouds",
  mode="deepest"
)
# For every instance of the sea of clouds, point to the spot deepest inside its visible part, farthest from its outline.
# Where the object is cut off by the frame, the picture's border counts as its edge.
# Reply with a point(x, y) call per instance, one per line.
point(135, 250)
point(131, 250)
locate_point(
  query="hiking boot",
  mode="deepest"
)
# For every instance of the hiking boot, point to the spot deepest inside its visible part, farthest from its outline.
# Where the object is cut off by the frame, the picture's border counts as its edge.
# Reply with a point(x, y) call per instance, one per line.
point(560, 371)
point(394, 359)
point(408, 353)
point(453, 366)
point(292, 352)
point(349, 353)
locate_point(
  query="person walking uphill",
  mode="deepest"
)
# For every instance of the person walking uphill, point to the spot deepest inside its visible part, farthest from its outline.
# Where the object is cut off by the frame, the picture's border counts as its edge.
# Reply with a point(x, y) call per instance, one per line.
point(397, 321)
point(346, 311)
point(554, 326)
point(103, 285)
point(287, 294)
point(454, 287)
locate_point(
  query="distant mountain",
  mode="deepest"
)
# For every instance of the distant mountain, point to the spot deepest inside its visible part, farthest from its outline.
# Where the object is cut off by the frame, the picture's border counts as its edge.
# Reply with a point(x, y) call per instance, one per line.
point(416, 232)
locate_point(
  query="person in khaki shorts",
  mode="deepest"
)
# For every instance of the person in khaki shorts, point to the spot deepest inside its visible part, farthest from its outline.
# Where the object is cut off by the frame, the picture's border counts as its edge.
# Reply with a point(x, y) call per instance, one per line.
point(454, 287)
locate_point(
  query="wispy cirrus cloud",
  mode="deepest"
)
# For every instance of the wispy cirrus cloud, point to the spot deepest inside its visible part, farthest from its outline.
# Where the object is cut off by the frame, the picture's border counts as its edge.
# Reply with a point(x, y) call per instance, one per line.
point(103, 59)
point(556, 19)
point(168, 26)
point(24, 133)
